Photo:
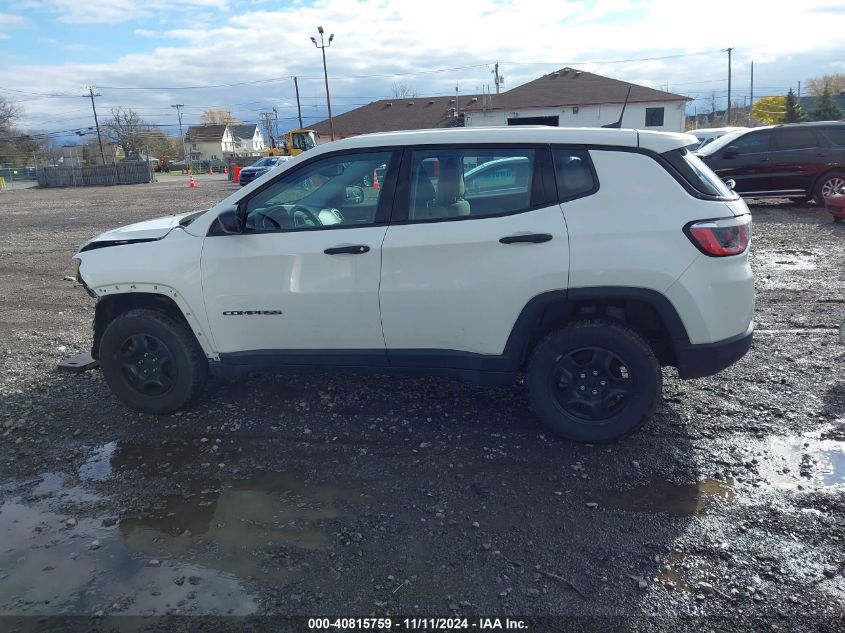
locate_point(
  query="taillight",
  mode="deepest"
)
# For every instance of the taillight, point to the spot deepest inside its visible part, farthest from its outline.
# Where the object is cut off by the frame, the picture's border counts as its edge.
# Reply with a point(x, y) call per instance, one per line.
point(720, 238)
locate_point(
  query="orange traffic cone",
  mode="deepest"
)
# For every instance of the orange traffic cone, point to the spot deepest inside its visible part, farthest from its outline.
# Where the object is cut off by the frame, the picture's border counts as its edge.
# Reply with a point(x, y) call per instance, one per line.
point(210, 173)
point(191, 182)
point(376, 184)
point(225, 170)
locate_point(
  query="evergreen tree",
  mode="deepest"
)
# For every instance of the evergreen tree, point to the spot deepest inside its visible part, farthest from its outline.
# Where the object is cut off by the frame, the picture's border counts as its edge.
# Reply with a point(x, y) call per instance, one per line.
point(826, 108)
point(794, 112)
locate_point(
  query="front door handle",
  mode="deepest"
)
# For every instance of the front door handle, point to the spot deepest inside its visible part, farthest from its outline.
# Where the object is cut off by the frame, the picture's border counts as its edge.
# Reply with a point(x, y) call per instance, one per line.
point(356, 249)
point(531, 238)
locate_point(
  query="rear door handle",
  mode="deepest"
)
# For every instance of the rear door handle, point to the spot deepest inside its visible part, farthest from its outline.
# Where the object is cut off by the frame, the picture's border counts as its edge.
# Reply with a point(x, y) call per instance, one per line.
point(356, 249)
point(531, 238)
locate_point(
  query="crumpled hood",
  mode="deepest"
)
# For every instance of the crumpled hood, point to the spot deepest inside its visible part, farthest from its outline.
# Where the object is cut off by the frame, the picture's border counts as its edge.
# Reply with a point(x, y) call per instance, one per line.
point(139, 232)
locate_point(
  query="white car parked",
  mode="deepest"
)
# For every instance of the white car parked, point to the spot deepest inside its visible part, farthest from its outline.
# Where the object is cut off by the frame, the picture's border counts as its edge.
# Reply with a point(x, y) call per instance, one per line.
point(587, 258)
point(707, 135)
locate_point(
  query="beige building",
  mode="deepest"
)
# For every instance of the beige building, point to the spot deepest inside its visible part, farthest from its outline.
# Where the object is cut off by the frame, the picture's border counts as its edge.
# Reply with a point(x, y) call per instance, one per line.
point(210, 142)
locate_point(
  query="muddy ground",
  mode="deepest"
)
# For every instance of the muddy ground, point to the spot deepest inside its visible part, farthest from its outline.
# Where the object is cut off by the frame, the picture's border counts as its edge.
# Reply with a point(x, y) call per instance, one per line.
point(355, 495)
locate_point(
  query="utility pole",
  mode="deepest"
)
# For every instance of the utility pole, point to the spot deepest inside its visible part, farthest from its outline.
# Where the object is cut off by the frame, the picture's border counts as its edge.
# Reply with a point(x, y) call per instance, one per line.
point(276, 122)
point(729, 84)
point(322, 46)
point(179, 107)
point(750, 116)
point(269, 127)
point(96, 122)
point(799, 91)
point(298, 107)
point(497, 78)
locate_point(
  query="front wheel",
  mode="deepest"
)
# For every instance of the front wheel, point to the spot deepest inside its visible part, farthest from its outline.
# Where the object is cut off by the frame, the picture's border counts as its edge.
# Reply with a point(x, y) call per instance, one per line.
point(152, 361)
point(594, 381)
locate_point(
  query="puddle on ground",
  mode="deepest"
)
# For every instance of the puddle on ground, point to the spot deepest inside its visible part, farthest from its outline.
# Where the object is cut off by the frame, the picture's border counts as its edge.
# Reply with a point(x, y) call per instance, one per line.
point(808, 461)
point(660, 496)
point(204, 543)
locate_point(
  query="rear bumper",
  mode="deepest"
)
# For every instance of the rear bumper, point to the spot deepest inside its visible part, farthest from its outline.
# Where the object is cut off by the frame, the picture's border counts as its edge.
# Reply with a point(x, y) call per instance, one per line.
point(697, 361)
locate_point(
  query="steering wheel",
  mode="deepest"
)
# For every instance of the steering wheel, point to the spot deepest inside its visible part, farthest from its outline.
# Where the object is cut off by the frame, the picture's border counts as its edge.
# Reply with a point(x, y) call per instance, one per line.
point(265, 217)
point(303, 216)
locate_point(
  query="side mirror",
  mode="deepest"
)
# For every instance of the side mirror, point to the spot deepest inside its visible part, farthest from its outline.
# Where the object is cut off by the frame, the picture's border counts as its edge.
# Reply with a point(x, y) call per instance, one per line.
point(230, 221)
point(730, 151)
point(731, 183)
point(354, 195)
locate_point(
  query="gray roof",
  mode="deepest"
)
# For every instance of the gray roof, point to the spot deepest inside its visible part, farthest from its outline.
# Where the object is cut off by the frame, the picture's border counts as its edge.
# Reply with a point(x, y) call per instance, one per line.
point(246, 131)
point(571, 87)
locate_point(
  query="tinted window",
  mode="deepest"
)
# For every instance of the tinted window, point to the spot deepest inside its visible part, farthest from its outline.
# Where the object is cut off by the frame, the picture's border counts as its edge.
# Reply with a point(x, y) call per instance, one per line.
point(752, 143)
point(447, 183)
point(800, 138)
point(333, 191)
point(835, 135)
point(573, 173)
point(653, 117)
point(697, 174)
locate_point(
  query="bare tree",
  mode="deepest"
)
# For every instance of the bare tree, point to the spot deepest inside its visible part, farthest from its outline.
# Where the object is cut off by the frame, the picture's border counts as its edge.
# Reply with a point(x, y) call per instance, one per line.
point(403, 91)
point(9, 114)
point(835, 83)
point(218, 117)
point(126, 128)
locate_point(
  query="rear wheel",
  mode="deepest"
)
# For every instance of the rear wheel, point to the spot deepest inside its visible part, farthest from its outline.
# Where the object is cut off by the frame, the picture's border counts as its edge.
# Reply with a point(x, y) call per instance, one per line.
point(594, 381)
point(151, 361)
point(828, 185)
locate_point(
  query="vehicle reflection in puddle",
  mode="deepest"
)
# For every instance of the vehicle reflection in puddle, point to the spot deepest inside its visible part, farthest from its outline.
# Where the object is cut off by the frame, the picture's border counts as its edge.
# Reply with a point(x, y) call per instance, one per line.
point(189, 557)
point(661, 496)
point(807, 461)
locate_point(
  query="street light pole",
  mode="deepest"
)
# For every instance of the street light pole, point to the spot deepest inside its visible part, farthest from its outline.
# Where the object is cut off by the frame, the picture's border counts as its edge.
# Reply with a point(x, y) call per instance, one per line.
point(322, 46)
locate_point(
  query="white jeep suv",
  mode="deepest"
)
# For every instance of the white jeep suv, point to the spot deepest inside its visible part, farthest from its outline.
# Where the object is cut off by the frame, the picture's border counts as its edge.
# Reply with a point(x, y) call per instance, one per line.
point(586, 257)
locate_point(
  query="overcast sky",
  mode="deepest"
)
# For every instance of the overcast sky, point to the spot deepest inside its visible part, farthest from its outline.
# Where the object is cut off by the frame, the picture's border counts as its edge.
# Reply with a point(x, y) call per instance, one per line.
point(51, 50)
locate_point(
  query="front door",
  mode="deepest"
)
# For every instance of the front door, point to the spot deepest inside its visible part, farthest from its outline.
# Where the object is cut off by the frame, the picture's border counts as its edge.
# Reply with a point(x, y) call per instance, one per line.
point(747, 161)
point(304, 274)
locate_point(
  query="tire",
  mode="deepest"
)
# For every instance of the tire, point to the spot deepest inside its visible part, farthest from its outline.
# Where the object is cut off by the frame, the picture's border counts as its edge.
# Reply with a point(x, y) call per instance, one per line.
point(827, 184)
point(838, 218)
point(583, 406)
point(151, 361)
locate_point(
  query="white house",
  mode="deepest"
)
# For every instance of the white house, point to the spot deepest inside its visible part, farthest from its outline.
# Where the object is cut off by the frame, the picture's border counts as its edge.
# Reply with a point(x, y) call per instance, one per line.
point(249, 141)
point(573, 98)
point(210, 142)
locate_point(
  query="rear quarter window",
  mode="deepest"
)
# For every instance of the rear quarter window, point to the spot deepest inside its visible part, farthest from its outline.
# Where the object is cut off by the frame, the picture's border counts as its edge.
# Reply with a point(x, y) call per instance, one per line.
point(835, 135)
point(692, 171)
point(574, 174)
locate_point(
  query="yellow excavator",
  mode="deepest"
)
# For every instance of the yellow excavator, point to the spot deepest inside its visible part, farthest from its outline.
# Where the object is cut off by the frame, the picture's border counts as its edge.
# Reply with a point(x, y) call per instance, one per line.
point(295, 142)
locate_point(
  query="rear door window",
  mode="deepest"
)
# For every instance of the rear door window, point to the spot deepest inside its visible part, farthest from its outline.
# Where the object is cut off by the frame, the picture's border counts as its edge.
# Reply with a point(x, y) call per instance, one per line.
point(470, 182)
point(798, 138)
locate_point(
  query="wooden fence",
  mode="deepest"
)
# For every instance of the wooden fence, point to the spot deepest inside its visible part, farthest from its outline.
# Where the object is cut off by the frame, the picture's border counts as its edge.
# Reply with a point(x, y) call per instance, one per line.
point(122, 173)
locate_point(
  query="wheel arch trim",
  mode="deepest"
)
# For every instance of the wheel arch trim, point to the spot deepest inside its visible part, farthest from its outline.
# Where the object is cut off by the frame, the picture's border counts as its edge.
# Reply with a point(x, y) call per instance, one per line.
point(150, 294)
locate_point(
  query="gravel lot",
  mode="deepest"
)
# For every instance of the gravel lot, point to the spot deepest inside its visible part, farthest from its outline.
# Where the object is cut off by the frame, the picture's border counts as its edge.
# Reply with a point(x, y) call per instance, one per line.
point(354, 495)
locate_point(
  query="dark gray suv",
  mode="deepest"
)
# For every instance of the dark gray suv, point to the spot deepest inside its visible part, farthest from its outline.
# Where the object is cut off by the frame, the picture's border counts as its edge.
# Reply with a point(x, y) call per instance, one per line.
point(801, 161)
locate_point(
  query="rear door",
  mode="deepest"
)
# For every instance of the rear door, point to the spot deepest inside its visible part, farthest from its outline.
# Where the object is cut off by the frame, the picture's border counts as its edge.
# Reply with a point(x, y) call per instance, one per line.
point(468, 246)
point(798, 156)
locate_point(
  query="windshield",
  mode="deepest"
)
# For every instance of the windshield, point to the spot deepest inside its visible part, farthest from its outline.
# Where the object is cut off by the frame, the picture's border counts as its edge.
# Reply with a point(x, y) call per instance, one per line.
point(265, 162)
point(719, 143)
point(303, 140)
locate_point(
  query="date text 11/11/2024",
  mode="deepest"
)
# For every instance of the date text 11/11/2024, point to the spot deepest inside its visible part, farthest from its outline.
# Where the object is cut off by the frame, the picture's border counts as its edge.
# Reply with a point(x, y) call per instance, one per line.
point(417, 624)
